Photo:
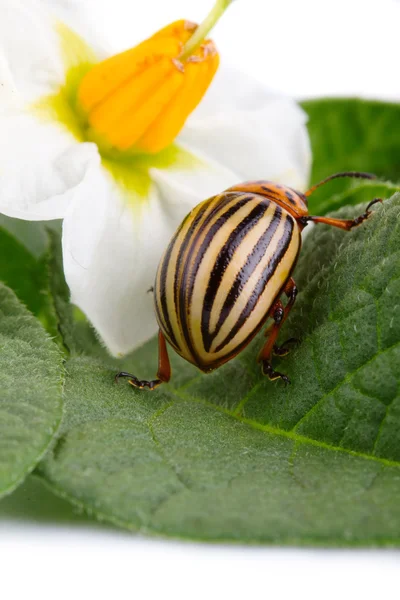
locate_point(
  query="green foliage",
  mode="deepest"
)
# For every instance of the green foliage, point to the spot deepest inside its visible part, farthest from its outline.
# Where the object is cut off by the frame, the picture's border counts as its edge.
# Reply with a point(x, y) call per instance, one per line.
point(24, 252)
point(31, 375)
point(232, 456)
point(23, 272)
point(32, 501)
point(30, 234)
point(77, 335)
point(352, 135)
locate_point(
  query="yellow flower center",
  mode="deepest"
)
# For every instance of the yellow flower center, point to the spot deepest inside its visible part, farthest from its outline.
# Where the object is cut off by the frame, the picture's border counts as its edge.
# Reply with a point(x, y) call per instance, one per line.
point(140, 99)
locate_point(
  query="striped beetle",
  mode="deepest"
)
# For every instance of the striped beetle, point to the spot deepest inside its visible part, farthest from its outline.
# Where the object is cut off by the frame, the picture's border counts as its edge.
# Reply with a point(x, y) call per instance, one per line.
point(225, 270)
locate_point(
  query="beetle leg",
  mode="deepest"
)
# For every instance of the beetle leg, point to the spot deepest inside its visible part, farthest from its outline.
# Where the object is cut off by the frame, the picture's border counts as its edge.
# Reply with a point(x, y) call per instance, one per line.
point(163, 373)
point(283, 349)
point(276, 313)
point(346, 224)
point(279, 313)
point(271, 374)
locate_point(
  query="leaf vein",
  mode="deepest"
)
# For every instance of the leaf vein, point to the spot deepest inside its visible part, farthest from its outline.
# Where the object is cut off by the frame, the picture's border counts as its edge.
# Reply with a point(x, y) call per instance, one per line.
point(291, 434)
point(347, 379)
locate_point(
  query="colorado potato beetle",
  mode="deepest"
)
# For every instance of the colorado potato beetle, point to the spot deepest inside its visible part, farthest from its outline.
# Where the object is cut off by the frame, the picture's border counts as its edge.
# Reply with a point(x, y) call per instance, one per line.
point(224, 272)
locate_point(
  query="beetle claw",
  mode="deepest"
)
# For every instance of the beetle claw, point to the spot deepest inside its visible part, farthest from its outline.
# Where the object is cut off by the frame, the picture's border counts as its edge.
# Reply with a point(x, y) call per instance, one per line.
point(282, 350)
point(141, 384)
point(137, 383)
point(273, 375)
point(285, 379)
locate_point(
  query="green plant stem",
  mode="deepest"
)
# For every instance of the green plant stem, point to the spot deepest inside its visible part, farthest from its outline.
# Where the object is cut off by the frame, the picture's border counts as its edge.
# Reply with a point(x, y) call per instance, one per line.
point(204, 28)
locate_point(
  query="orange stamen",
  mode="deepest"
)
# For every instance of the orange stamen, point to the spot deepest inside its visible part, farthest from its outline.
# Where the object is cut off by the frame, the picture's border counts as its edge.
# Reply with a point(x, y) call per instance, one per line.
point(141, 98)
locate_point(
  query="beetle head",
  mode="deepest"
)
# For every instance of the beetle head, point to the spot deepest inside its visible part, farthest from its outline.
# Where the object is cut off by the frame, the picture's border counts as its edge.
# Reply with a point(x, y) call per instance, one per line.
point(294, 202)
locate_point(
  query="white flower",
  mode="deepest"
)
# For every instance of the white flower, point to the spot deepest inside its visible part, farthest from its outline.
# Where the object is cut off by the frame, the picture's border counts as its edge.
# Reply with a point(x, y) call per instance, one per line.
point(121, 208)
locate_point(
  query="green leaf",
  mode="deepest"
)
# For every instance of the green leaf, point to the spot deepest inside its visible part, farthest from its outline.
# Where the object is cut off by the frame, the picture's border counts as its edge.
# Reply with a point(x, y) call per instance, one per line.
point(23, 272)
point(31, 234)
point(31, 377)
point(352, 135)
point(77, 334)
point(24, 252)
point(32, 501)
point(233, 456)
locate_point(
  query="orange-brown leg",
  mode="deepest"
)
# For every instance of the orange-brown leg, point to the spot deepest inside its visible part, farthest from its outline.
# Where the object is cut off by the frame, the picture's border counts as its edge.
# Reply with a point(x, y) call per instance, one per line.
point(163, 373)
point(284, 348)
point(279, 314)
point(346, 224)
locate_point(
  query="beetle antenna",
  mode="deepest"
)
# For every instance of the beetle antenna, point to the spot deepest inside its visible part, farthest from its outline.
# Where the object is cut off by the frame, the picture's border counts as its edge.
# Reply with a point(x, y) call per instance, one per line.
point(357, 174)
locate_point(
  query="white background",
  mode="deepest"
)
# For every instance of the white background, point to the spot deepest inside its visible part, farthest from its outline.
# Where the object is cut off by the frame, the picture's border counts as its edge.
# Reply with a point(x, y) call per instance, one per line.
point(305, 48)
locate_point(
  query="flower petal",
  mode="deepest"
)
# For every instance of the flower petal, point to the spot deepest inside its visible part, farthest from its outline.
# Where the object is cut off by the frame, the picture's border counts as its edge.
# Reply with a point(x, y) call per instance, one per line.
point(9, 97)
point(111, 251)
point(41, 166)
point(228, 145)
point(30, 43)
point(184, 186)
point(254, 132)
point(78, 16)
point(33, 43)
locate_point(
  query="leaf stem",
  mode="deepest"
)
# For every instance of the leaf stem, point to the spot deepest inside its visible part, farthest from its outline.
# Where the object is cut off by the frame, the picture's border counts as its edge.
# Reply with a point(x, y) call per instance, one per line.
point(204, 28)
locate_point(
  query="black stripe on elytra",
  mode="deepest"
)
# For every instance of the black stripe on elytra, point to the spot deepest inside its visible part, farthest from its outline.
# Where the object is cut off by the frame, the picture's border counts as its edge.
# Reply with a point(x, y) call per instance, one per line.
point(183, 247)
point(155, 295)
point(163, 290)
point(167, 331)
point(225, 199)
point(243, 276)
point(266, 275)
point(210, 228)
point(163, 280)
point(189, 242)
point(222, 261)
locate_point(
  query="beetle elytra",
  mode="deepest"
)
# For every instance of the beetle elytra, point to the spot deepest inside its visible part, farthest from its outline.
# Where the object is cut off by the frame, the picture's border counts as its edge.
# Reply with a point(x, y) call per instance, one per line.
point(225, 270)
